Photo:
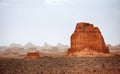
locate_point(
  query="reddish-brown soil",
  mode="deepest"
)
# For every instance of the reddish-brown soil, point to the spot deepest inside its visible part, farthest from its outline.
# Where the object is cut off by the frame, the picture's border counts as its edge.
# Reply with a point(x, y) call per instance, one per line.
point(81, 65)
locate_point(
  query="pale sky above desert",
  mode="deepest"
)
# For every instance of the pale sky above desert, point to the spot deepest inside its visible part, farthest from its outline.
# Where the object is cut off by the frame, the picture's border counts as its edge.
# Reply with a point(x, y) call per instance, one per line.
point(53, 21)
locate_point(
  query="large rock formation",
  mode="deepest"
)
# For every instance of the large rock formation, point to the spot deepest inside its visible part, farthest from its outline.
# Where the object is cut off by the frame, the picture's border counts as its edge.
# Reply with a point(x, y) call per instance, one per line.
point(87, 36)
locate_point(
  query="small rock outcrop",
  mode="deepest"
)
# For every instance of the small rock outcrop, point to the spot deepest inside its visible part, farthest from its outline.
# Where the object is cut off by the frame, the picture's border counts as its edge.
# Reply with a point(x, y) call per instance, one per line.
point(87, 36)
point(32, 55)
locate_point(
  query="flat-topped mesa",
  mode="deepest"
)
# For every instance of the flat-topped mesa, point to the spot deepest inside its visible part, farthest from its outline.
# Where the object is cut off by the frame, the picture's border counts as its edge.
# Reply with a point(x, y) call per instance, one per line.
point(87, 36)
point(32, 55)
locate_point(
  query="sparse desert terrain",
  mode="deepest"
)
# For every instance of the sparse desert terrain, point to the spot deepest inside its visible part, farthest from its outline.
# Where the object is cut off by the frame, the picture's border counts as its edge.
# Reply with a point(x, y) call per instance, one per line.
point(81, 65)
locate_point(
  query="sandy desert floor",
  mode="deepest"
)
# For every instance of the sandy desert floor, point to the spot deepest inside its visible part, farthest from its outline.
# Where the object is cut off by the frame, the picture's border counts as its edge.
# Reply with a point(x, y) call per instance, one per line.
point(83, 65)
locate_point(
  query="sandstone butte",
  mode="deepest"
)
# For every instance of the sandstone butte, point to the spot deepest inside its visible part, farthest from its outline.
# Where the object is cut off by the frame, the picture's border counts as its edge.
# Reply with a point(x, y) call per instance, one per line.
point(32, 55)
point(86, 36)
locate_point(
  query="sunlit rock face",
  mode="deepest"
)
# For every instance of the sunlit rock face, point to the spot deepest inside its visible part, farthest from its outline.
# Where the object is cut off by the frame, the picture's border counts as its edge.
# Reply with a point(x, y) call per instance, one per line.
point(87, 36)
point(32, 55)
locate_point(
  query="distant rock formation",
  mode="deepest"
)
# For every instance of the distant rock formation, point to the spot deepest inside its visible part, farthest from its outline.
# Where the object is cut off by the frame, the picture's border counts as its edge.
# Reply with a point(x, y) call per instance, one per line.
point(87, 36)
point(32, 55)
point(114, 49)
point(29, 45)
point(15, 45)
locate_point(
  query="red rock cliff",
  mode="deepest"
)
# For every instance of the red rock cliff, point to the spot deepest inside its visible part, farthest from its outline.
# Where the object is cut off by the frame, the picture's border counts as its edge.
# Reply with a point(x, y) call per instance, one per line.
point(87, 36)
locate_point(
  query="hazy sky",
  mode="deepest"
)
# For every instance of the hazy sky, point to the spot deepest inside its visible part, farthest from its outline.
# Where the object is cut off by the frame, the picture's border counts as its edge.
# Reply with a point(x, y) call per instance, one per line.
point(53, 21)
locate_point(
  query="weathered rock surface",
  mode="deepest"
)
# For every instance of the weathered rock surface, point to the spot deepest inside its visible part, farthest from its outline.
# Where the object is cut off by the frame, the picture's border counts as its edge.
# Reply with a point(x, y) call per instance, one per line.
point(32, 55)
point(87, 36)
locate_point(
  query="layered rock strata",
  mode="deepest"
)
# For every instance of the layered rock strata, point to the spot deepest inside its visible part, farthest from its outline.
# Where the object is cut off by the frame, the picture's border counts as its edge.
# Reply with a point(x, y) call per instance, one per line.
point(87, 36)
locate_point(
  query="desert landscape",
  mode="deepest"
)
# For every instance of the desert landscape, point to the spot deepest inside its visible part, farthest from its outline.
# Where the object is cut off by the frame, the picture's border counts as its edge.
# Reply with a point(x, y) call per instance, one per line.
point(81, 65)
point(87, 54)
point(59, 36)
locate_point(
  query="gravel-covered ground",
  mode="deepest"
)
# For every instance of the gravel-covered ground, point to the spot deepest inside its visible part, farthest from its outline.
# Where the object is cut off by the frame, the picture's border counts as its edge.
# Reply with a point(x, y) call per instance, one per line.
point(88, 65)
